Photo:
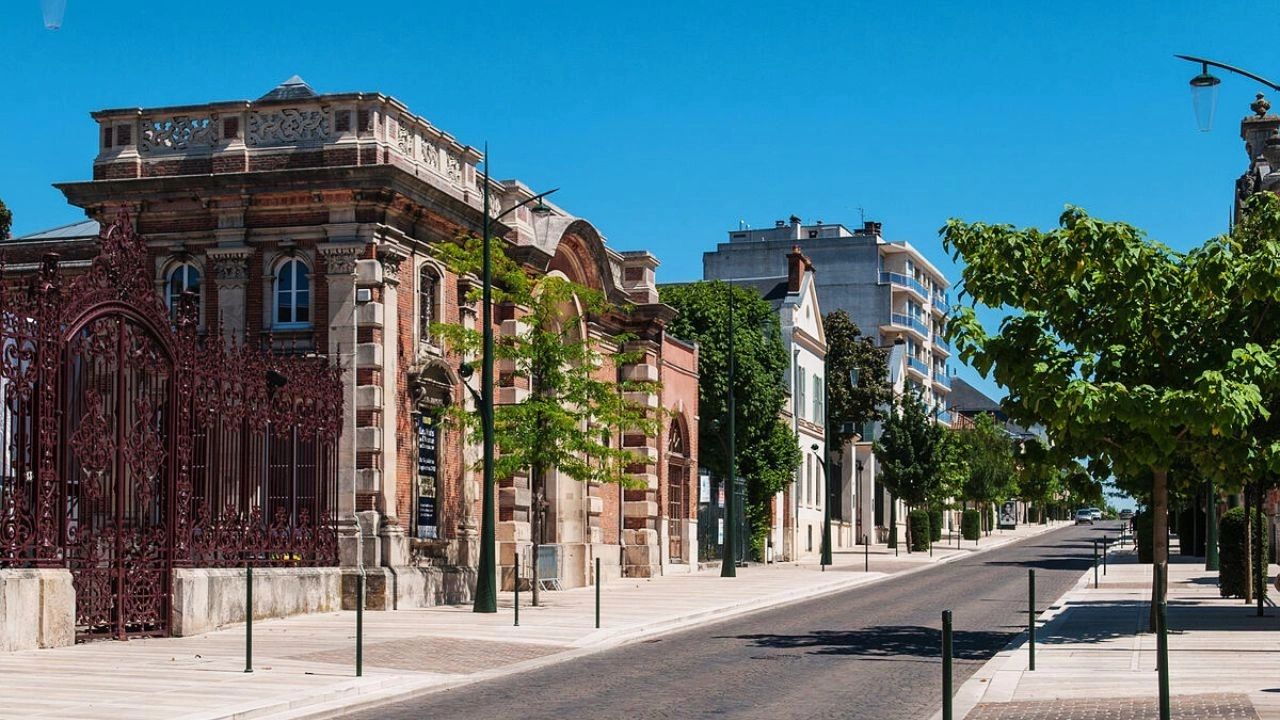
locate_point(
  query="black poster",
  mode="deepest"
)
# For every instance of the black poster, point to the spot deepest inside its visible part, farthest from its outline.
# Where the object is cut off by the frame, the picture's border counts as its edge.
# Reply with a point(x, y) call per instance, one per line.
point(426, 517)
point(427, 434)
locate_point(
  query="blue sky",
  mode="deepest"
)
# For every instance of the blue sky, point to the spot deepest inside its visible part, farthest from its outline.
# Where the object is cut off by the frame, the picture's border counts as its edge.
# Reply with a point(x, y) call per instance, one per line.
point(667, 123)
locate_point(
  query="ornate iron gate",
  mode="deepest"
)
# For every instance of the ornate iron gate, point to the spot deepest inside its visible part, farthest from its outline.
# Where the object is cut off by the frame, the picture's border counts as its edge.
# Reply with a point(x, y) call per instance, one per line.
point(117, 423)
point(129, 446)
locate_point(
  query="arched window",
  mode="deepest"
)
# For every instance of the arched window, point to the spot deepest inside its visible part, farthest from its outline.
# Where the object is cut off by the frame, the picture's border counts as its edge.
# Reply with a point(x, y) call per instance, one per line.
point(428, 281)
point(184, 277)
point(292, 294)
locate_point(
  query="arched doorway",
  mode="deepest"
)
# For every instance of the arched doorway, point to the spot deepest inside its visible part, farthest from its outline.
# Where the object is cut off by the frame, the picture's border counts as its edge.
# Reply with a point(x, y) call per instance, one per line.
point(677, 490)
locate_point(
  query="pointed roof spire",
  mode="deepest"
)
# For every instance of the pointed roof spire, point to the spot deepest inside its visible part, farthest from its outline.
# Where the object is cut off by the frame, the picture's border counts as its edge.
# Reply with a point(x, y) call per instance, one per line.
point(291, 89)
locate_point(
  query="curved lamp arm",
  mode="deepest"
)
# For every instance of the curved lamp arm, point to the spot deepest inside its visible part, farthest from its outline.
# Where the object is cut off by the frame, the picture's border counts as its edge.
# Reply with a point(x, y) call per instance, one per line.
point(1229, 68)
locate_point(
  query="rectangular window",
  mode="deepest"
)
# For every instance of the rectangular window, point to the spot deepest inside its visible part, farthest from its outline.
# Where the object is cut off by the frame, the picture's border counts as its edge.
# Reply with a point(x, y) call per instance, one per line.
point(817, 399)
point(800, 380)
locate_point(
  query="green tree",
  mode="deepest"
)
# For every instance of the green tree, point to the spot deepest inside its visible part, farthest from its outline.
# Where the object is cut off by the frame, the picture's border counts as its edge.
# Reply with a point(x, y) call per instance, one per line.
point(768, 453)
point(566, 420)
point(911, 455)
point(989, 474)
point(1117, 346)
point(6, 221)
point(849, 406)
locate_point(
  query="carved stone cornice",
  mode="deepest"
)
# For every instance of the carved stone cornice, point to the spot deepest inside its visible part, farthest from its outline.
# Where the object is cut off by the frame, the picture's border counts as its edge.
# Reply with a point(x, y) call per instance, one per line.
point(340, 258)
point(391, 259)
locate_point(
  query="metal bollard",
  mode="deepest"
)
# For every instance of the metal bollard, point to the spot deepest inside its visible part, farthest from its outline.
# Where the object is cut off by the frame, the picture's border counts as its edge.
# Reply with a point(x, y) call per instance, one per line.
point(360, 625)
point(517, 591)
point(597, 593)
point(1031, 617)
point(1095, 564)
point(1106, 543)
point(248, 618)
point(1162, 646)
point(946, 665)
point(866, 554)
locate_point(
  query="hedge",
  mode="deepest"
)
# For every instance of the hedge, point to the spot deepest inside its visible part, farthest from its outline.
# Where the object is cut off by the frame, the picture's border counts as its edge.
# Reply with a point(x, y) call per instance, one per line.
point(971, 524)
point(918, 520)
point(1142, 530)
point(1231, 557)
point(935, 524)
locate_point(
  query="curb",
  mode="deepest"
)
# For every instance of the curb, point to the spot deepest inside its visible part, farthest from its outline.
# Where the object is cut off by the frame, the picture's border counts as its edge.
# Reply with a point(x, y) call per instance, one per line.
point(379, 695)
point(971, 693)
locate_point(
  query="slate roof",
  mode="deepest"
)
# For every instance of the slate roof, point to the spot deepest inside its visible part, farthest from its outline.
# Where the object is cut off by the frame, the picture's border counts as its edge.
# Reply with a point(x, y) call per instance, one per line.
point(292, 89)
point(71, 231)
point(967, 399)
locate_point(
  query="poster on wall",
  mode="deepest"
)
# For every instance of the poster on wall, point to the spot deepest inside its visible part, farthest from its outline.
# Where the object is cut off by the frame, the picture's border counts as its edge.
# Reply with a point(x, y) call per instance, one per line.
point(427, 523)
point(1009, 516)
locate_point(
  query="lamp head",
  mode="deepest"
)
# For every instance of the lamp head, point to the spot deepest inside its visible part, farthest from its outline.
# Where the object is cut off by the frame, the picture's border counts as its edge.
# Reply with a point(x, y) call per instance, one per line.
point(466, 370)
point(1204, 97)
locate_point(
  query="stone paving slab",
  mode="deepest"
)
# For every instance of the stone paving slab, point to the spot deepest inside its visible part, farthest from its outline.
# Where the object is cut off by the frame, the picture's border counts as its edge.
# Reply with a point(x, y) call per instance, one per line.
point(1095, 655)
point(303, 666)
point(1210, 706)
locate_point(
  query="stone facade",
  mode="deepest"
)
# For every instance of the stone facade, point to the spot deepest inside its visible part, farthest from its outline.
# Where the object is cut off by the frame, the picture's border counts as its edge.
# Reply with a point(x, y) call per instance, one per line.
point(309, 221)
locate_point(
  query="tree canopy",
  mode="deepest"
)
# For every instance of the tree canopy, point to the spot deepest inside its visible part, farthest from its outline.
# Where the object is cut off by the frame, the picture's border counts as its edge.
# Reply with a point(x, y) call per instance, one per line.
point(848, 406)
point(6, 221)
point(911, 452)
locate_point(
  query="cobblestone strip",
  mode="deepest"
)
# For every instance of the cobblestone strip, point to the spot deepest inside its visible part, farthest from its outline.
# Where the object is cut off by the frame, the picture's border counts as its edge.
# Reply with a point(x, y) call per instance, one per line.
point(1213, 706)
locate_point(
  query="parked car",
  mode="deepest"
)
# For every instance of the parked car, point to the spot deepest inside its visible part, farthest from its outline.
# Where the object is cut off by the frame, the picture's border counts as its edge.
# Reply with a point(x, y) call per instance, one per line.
point(1097, 514)
point(1084, 517)
point(1126, 514)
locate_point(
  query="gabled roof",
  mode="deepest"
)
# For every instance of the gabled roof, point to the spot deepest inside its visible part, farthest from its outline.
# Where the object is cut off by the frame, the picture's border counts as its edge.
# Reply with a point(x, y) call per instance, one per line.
point(967, 399)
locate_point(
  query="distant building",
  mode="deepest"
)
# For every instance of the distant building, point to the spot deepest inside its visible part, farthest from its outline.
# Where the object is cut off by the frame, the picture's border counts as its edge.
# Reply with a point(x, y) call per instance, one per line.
point(890, 289)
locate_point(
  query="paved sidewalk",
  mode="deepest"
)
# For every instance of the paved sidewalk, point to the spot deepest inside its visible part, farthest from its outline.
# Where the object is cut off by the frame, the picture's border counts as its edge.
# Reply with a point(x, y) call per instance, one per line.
point(304, 666)
point(1094, 658)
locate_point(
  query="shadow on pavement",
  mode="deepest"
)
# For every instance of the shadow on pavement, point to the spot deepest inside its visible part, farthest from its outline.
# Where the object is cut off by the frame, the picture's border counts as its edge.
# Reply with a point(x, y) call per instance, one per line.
point(887, 642)
point(1077, 564)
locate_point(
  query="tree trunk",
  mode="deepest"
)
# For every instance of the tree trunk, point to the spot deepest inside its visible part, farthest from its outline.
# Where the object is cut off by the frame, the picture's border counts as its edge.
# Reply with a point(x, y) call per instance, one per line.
point(1159, 536)
point(893, 522)
point(535, 526)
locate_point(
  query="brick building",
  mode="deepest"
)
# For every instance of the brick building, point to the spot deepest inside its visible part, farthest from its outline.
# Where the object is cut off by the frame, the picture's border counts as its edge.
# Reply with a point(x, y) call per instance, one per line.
point(308, 221)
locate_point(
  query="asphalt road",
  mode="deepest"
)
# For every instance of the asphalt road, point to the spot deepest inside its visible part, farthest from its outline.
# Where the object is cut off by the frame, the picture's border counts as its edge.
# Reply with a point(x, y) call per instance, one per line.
point(869, 652)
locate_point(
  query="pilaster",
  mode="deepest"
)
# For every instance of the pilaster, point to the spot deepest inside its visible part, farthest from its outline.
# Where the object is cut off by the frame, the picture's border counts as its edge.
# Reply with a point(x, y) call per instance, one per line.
point(229, 268)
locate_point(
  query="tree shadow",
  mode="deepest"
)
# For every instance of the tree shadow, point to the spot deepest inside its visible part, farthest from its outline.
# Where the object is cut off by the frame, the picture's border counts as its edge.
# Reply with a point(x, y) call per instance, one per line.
point(886, 641)
point(1066, 563)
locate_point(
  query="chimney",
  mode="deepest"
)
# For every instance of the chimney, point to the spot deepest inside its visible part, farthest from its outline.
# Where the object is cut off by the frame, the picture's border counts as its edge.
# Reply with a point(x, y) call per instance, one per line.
point(796, 227)
point(797, 265)
point(779, 223)
point(871, 227)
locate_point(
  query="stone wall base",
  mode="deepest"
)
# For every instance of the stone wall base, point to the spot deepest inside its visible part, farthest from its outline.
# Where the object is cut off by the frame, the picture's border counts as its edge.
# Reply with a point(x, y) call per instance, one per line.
point(408, 586)
point(205, 599)
point(37, 609)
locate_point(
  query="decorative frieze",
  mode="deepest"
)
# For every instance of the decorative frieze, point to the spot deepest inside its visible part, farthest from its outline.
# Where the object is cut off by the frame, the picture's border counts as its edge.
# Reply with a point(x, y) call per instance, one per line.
point(289, 125)
point(340, 259)
point(178, 133)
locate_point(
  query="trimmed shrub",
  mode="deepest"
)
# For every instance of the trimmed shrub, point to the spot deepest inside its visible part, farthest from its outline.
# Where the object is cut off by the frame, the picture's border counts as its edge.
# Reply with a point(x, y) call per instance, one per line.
point(1231, 558)
point(918, 519)
point(1142, 531)
point(935, 524)
point(971, 524)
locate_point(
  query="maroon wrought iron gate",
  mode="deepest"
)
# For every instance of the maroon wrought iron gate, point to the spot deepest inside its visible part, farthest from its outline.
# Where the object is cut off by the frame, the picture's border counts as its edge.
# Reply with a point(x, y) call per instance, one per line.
point(117, 423)
point(131, 444)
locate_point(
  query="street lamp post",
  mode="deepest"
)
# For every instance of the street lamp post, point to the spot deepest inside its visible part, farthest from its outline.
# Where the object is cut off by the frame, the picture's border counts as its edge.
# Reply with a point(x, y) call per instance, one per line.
point(1204, 88)
point(486, 595)
point(729, 563)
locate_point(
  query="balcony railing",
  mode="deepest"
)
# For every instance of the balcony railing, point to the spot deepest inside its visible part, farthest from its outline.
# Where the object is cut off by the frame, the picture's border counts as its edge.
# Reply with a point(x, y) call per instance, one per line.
point(940, 303)
point(941, 342)
point(911, 322)
point(918, 364)
point(905, 281)
point(944, 417)
point(941, 378)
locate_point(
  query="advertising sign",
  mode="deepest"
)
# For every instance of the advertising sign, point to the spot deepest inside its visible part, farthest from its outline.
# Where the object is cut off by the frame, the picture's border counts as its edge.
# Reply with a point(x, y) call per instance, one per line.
point(1009, 516)
point(428, 436)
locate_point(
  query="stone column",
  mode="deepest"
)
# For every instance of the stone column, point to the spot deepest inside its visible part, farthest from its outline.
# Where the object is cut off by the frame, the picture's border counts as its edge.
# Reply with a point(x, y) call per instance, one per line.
point(394, 532)
point(229, 268)
point(340, 265)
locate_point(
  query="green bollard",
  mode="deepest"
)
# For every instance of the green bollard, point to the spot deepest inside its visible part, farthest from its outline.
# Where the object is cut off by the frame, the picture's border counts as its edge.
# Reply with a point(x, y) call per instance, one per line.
point(248, 618)
point(1105, 544)
point(1031, 617)
point(597, 593)
point(517, 591)
point(866, 554)
point(1162, 647)
point(360, 625)
point(1095, 564)
point(946, 665)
